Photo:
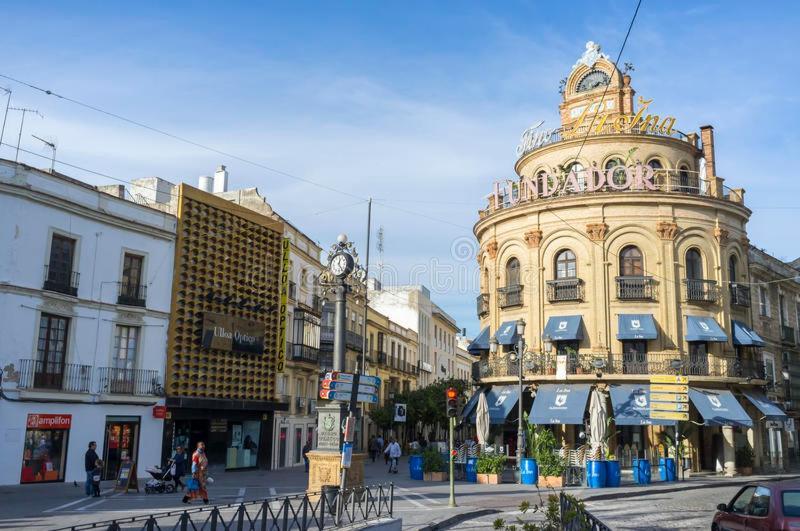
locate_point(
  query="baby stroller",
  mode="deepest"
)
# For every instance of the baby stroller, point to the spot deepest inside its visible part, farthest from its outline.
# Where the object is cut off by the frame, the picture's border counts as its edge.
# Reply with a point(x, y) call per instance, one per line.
point(162, 479)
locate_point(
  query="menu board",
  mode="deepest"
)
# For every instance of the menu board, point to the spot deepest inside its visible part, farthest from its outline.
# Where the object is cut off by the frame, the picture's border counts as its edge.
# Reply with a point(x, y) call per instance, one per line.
point(126, 478)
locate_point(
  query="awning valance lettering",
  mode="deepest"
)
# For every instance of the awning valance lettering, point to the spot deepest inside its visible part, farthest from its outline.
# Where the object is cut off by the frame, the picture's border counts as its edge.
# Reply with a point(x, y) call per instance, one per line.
point(565, 328)
point(636, 326)
point(701, 328)
point(560, 404)
point(719, 407)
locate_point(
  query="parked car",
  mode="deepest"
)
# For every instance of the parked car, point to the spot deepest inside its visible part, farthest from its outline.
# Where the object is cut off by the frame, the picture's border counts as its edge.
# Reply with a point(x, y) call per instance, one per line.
point(761, 506)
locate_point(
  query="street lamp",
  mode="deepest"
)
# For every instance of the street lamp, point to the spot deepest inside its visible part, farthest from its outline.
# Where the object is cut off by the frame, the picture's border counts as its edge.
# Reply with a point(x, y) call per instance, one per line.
point(547, 342)
point(518, 355)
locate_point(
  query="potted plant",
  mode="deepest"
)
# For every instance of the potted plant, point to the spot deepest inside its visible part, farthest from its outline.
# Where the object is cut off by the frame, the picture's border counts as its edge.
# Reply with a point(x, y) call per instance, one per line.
point(433, 465)
point(551, 366)
point(744, 460)
point(542, 447)
point(490, 468)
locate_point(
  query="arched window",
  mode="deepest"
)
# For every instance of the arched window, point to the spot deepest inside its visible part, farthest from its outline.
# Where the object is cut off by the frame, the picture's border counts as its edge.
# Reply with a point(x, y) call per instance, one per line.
point(655, 164)
point(694, 265)
point(577, 167)
point(733, 266)
point(512, 272)
point(631, 262)
point(619, 174)
point(566, 265)
point(683, 176)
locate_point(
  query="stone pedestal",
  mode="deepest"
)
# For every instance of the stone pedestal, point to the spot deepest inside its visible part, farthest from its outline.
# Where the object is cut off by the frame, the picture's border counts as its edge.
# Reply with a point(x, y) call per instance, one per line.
point(324, 468)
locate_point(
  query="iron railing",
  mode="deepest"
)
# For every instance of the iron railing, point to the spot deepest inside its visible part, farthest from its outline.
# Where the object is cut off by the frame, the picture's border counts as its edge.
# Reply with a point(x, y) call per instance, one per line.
point(575, 517)
point(61, 280)
point(52, 375)
point(131, 293)
point(636, 288)
point(700, 290)
point(567, 289)
point(303, 512)
point(305, 353)
point(740, 295)
point(510, 296)
point(787, 334)
point(138, 382)
point(482, 303)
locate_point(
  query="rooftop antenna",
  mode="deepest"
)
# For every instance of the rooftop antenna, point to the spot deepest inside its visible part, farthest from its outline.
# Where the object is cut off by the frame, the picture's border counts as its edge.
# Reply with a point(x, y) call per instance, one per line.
point(380, 252)
point(21, 124)
point(5, 115)
point(52, 146)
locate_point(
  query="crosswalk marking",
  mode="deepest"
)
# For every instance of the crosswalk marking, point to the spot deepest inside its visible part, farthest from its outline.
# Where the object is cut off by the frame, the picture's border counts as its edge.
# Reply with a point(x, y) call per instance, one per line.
point(412, 493)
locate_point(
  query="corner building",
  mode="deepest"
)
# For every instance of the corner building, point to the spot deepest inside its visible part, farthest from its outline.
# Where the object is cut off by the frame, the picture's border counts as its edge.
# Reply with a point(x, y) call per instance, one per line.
point(627, 256)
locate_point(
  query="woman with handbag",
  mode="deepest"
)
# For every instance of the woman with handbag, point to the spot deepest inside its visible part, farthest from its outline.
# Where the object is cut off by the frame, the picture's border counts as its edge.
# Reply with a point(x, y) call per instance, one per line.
point(196, 486)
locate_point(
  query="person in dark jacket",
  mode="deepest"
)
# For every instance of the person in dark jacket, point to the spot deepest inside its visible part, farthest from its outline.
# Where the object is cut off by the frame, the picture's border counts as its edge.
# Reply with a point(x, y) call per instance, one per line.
point(179, 462)
point(90, 461)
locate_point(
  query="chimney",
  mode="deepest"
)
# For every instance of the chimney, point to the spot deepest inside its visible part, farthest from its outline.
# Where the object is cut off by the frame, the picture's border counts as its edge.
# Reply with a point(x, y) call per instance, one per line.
point(707, 137)
point(206, 183)
point(220, 180)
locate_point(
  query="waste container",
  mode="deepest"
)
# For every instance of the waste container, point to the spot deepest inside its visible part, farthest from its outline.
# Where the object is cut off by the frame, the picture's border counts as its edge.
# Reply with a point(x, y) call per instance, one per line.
point(613, 473)
point(595, 474)
point(666, 468)
point(641, 471)
point(529, 471)
point(472, 469)
point(415, 467)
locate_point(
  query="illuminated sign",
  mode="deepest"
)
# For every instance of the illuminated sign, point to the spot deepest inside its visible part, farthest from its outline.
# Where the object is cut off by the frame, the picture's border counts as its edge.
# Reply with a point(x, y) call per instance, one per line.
point(284, 304)
point(226, 332)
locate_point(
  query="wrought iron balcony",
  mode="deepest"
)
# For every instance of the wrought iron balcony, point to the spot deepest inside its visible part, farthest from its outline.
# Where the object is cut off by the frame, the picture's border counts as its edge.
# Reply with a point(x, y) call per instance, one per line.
point(61, 280)
point(131, 294)
point(699, 290)
point(740, 295)
point(787, 335)
point(50, 375)
point(510, 296)
point(137, 382)
point(566, 289)
point(354, 341)
point(636, 288)
point(304, 353)
point(482, 304)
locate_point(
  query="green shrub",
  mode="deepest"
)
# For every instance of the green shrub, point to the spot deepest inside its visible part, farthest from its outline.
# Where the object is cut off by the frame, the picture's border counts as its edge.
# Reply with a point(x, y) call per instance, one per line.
point(491, 464)
point(745, 456)
point(542, 446)
point(432, 460)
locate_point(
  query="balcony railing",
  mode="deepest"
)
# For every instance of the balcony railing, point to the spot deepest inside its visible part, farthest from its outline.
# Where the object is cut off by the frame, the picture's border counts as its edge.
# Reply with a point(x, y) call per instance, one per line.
point(482, 303)
point(699, 290)
point(137, 382)
point(510, 296)
point(567, 289)
point(131, 294)
point(47, 375)
point(740, 295)
point(787, 335)
point(354, 341)
point(304, 353)
point(326, 334)
point(636, 288)
point(61, 280)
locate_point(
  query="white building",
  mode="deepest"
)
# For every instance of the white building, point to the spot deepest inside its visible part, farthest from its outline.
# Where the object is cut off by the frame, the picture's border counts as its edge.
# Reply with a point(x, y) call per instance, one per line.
point(85, 284)
point(464, 360)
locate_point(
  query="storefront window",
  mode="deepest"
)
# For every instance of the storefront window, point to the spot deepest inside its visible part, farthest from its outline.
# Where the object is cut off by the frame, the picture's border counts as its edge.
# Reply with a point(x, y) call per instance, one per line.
point(120, 444)
point(44, 453)
point(243, 440)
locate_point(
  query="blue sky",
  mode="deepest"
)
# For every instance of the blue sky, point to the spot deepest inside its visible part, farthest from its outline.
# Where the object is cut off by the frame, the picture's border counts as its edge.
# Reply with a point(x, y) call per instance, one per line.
point(418, 104)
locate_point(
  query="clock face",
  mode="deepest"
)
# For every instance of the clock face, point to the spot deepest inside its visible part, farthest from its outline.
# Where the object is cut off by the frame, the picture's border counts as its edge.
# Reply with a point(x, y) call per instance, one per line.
point(339, 265)
point(593, 80)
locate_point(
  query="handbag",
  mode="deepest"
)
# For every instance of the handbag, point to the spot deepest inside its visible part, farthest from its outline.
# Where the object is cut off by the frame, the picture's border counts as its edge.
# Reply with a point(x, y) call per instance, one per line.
point(192, 485)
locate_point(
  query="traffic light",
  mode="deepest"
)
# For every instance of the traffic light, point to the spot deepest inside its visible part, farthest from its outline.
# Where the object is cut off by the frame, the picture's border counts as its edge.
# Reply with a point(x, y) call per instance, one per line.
point(452, 402)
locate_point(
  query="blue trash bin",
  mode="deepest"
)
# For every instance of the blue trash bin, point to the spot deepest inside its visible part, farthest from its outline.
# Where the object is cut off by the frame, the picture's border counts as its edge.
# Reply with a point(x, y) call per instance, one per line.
point(613, 474)
point(472, 469)
point(415, 467)
point(641, 471)
point(666, 469)
point(529, 471)
point(595, 474)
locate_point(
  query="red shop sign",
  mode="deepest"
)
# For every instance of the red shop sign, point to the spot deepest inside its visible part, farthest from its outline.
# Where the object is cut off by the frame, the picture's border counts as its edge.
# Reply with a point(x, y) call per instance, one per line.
point(49, 422)
point(159, 412)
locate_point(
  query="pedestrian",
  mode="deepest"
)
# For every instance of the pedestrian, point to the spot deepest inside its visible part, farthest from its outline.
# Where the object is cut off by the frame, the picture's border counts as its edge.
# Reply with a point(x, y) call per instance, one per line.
point(306, 449)
point(90, 460)
point(393, 455)
point(96, 475)
point(197, 486)
point(179, 467)
point(376, 446)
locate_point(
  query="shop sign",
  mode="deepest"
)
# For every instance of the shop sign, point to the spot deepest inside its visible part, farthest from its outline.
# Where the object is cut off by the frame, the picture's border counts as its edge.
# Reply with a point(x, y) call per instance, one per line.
point(159, 412)
point(284, 305)
point(218, 426)
point(773, 424)
point(329, 428)
point(37, 421)
point(232, 334)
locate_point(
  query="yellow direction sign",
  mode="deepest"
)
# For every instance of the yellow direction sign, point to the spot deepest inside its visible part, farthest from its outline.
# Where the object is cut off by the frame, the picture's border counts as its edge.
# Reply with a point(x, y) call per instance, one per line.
point(669, 397)
point(668, 406)
point(666, 388)
point(669, 415)
point(668, 378)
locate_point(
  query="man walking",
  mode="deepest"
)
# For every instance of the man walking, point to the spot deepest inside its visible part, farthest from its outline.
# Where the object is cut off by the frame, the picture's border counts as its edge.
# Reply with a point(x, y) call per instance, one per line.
point(393, 452)
point(90, 461)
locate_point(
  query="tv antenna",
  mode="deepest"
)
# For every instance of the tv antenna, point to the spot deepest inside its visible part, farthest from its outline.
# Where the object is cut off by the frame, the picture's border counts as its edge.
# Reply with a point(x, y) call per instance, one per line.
point(24, 111)
point(5, 116)
point(52, 145)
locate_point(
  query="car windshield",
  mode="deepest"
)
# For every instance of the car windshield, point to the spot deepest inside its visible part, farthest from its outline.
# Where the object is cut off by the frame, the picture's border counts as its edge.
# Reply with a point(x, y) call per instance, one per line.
point(791, 502)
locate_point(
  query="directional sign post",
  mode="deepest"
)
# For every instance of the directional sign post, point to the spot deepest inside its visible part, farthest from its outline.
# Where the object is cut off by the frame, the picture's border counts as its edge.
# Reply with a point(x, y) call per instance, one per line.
point(341, 385)
point(669, 400)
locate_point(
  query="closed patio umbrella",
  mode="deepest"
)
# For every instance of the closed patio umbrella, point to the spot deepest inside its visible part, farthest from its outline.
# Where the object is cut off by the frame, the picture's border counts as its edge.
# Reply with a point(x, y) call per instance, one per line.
point(598, 419)
point(482, 420)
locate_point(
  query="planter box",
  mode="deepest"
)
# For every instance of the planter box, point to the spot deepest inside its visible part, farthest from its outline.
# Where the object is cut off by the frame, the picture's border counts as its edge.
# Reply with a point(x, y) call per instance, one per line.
point(551, 482)
point(746, 470)
point(435, 476)
point(490, 479)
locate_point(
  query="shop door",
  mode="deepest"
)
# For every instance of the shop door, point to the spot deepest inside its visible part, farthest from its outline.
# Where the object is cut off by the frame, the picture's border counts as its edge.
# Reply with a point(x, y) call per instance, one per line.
point(298, 445)
point(282, 448)
point(121, 444)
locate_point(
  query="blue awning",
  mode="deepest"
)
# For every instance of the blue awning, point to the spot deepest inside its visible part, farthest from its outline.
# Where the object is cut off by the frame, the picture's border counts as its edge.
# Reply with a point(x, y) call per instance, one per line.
point(472, 403)
point(631, 405)
point(745, 336)
point(719, 407)
point(560, 404)
point(507, 333)
point(501, 401)
point(636, 326)
point(700, 328)
point(765, 405)
point(566, 328)
point(480, 343)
